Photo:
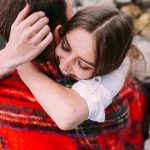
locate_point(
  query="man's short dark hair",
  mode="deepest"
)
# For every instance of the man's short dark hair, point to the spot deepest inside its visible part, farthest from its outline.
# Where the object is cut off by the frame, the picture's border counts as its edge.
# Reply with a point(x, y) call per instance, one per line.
point(55, 10)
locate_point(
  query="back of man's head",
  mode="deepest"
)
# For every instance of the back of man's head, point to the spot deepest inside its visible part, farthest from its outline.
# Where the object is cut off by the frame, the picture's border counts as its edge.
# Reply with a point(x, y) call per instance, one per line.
point(55, 10)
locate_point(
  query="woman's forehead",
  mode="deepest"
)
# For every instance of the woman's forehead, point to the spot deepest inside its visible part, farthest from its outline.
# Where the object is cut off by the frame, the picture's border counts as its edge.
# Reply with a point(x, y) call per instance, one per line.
point(82, 43)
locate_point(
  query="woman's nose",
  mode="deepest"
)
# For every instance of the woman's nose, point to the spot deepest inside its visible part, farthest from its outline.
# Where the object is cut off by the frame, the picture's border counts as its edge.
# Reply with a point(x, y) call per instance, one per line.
point(65, 65)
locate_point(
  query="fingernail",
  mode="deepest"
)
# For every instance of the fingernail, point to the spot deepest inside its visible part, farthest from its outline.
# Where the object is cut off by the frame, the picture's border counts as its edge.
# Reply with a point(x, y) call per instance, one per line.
point(27, 4)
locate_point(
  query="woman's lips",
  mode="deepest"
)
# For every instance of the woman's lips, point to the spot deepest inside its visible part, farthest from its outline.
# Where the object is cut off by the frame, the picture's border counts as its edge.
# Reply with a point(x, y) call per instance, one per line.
point(64, 73)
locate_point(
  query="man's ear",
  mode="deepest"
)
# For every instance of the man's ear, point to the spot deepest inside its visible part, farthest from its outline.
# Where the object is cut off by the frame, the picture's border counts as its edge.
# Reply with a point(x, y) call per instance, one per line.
point(57, 33)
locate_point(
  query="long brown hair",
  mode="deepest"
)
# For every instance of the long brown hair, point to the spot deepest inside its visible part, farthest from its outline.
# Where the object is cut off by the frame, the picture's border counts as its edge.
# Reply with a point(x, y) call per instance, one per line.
point(112, 31)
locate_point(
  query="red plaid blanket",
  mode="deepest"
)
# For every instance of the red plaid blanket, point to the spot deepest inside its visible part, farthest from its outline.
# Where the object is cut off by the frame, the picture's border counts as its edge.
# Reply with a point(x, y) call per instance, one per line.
point(24, 125)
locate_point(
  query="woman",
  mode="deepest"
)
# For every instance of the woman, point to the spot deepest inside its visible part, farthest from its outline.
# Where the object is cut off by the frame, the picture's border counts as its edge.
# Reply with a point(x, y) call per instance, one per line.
point(88, 49)
point(103, 24)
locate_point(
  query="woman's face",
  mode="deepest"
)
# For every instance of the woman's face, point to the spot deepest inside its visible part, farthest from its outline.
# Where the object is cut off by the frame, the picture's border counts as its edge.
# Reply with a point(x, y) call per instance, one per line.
point(75, 55)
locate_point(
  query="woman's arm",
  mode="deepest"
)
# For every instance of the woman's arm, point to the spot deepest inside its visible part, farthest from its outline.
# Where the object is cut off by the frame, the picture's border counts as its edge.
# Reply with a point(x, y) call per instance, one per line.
point(89, 100)
point(62, 104)
point(24, 45)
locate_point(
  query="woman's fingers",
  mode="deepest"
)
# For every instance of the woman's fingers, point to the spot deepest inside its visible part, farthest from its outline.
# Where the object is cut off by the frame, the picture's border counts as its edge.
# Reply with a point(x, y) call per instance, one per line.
point(22, 15)
point(32, 35)
point(32, 19)
point(46, 41)
point(39, 25)
point(41, 34)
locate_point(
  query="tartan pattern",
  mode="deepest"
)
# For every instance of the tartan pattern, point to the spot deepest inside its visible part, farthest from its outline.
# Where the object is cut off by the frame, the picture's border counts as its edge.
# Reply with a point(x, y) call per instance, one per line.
point(25, 125)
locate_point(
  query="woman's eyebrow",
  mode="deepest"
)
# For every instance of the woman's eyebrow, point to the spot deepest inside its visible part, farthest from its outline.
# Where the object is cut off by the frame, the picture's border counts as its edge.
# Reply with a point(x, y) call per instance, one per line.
point(87, 62)
point(66, 40)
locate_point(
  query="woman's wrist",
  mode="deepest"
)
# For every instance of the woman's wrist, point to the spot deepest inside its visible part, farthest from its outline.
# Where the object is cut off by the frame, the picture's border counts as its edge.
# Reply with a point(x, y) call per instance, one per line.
point(7, 62)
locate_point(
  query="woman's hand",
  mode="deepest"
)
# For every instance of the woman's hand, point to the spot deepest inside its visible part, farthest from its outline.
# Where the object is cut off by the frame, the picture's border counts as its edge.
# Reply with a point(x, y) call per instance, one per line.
point(28, 38)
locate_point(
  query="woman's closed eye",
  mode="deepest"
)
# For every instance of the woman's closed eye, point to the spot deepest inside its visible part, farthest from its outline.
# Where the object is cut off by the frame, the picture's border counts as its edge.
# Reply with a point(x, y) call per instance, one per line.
point(83, 66)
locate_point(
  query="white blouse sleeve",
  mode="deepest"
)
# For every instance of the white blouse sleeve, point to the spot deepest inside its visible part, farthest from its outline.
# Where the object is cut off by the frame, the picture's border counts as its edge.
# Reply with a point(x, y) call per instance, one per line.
point(99, 91)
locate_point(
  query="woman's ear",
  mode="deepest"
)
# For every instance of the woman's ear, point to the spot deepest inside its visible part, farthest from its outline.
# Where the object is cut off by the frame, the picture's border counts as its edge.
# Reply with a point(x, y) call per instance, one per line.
point(58, 33)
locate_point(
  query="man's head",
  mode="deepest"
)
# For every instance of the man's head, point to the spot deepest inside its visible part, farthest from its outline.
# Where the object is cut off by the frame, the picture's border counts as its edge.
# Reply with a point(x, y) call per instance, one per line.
point(58, 12)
